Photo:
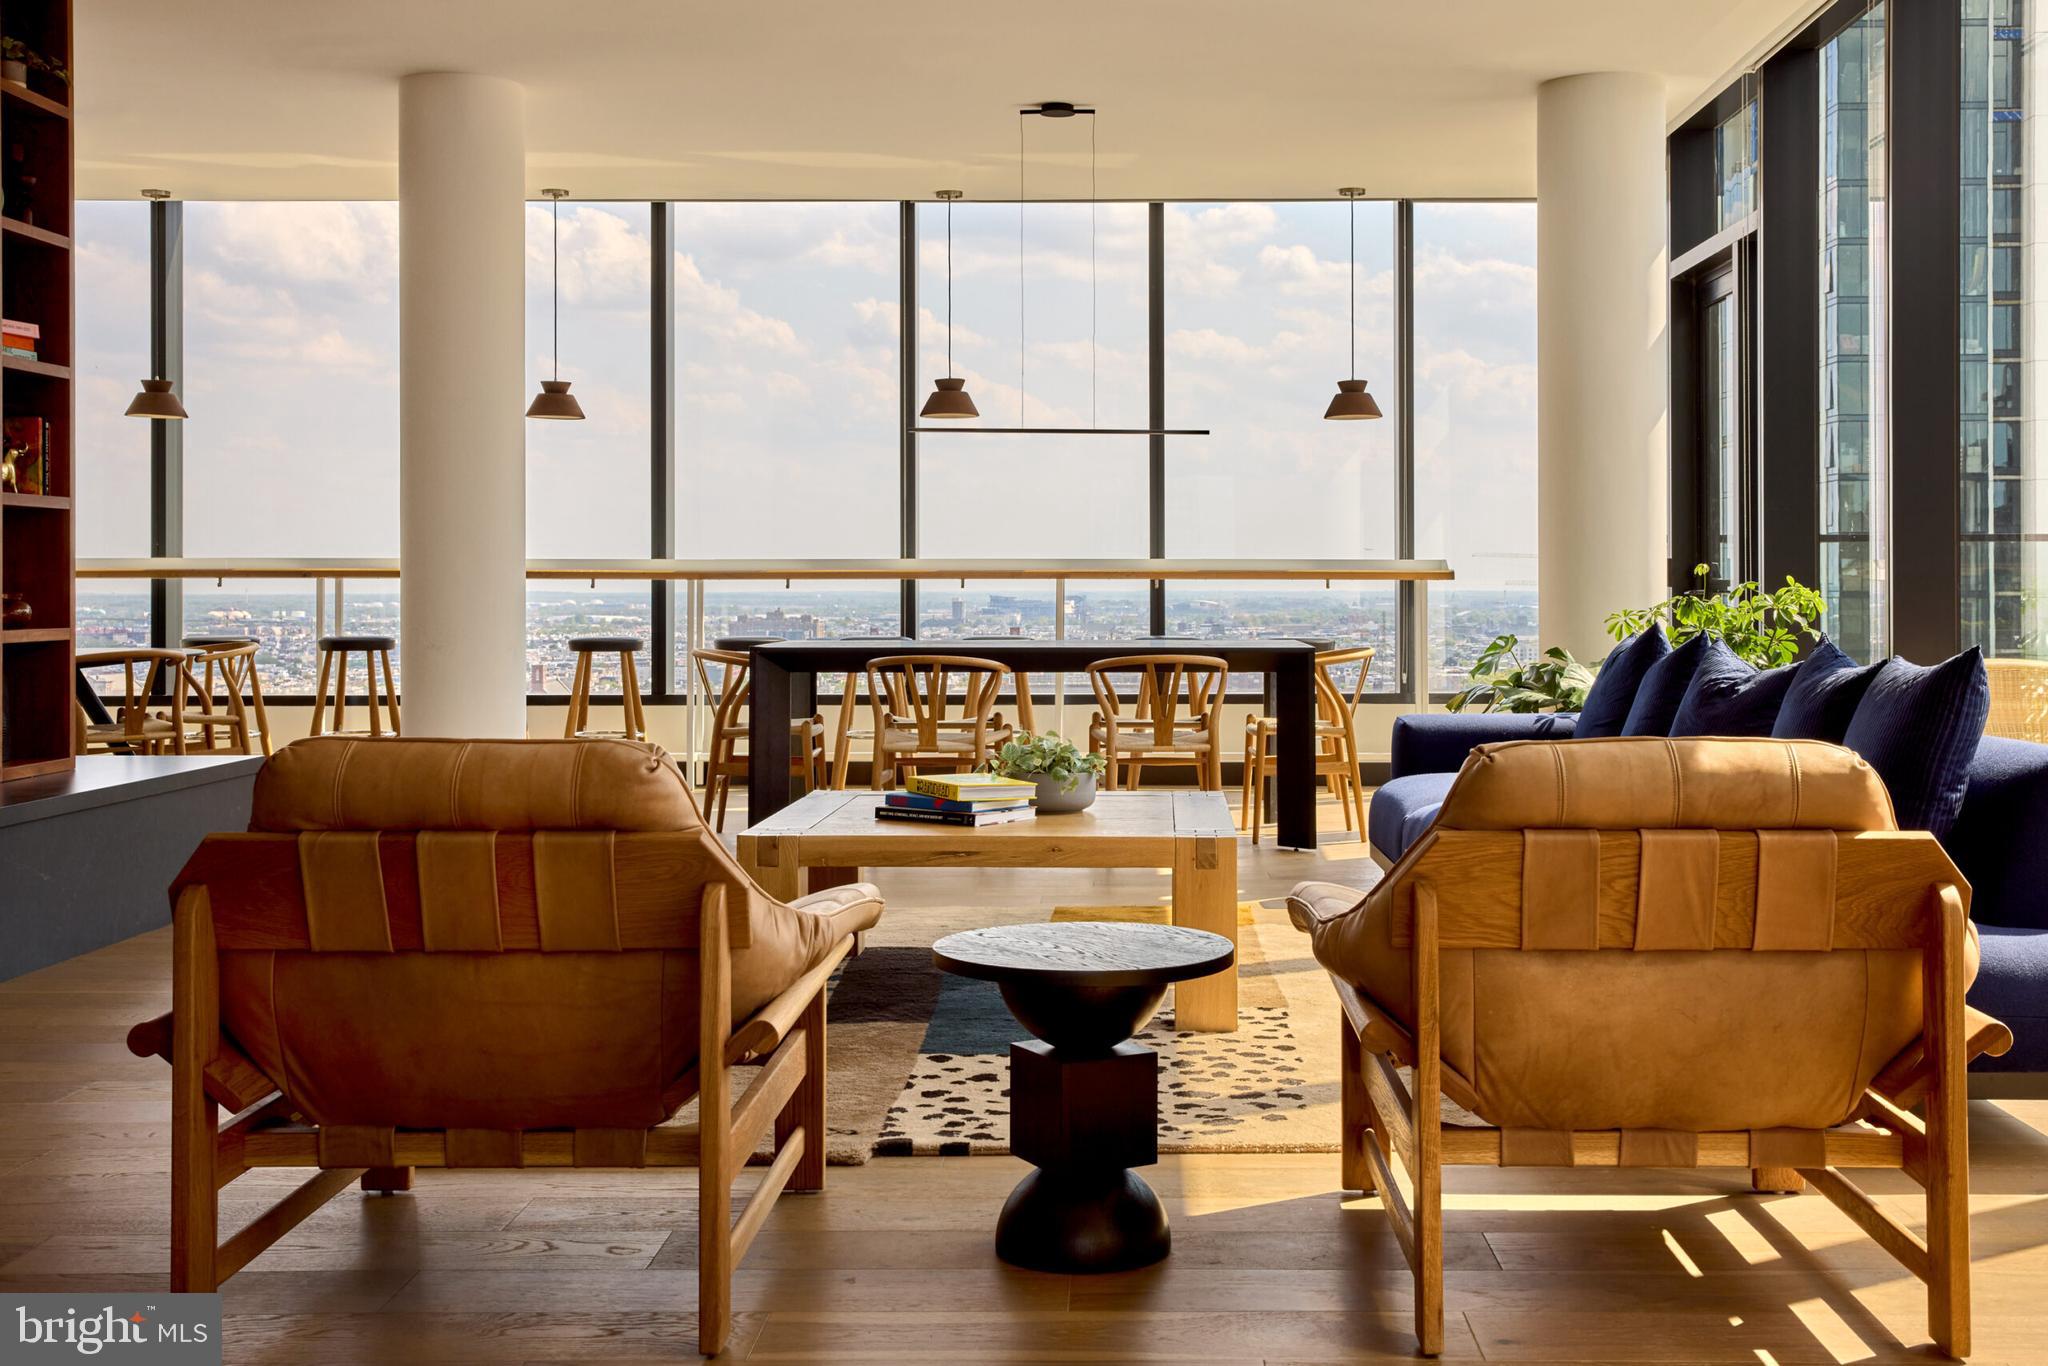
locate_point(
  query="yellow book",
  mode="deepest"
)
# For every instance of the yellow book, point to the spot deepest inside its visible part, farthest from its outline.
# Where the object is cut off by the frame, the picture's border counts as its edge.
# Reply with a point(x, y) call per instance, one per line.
point(971, 787)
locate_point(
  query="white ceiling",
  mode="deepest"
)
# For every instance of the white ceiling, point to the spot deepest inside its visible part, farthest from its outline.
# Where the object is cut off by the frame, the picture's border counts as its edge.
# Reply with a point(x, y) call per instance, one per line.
point(878, 99)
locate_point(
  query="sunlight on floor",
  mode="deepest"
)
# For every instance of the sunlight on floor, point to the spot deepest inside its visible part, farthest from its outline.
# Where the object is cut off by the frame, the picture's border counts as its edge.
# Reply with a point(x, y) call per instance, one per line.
point(1831, 1331)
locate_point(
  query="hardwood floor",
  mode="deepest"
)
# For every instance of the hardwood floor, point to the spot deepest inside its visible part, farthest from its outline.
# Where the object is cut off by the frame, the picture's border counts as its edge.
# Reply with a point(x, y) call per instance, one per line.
point(894, 1262)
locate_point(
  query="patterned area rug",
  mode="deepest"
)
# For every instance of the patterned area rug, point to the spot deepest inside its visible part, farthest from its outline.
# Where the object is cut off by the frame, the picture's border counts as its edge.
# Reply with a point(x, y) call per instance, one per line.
point(945, 1041)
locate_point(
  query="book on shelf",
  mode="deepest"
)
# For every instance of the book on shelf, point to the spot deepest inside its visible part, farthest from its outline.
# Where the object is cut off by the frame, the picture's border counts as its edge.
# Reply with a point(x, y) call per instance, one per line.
point(911, 813)
point(960, 787)
point(11, 328)
point(918, 801)
point(25, 352)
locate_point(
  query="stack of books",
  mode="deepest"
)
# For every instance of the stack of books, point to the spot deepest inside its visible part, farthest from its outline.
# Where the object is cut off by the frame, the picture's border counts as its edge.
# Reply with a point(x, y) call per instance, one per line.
point(960, 799)
point(19, 338)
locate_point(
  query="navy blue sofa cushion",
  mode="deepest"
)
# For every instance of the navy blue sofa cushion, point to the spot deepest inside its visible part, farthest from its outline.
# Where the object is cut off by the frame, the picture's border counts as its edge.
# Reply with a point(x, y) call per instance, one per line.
point(1403, 808)
point(1919, 727)
point(2012, 986)
point(1437, 742)
point(1663, 689)
point(1730, 696)
point(1614, 687)
point(1824, 696)
point(2000, 841)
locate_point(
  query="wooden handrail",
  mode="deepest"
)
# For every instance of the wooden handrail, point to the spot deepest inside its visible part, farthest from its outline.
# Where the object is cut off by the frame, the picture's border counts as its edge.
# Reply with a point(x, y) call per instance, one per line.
point(377, 568)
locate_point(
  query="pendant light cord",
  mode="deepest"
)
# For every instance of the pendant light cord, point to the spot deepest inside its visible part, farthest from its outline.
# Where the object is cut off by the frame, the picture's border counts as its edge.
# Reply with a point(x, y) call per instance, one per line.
point(1354, 286)
point(949, 289)
point(1094, 203)
point(1022, 416)
point(558, 287)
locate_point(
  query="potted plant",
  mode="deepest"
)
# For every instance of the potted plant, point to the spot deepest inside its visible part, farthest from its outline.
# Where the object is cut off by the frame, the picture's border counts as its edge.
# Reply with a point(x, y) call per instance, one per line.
point(17, 59)
point(1065, 775)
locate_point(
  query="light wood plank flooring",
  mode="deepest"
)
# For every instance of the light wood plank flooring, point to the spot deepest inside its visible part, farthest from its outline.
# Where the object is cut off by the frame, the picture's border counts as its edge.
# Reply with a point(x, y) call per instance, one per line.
point(894, 1263)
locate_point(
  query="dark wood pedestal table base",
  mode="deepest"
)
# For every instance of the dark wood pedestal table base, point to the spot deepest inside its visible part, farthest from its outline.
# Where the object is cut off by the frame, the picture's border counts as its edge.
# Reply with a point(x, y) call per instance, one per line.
point(1084, 1101)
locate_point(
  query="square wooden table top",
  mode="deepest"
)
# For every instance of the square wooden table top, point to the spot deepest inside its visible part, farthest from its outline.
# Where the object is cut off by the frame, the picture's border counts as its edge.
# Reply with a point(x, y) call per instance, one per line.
point(1121, 830)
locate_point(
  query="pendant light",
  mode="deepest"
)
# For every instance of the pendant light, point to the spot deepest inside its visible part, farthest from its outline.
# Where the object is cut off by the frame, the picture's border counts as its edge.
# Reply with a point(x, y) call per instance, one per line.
point(156, 399)
point(1352, 402)
point(554, 399)
point(949, 395)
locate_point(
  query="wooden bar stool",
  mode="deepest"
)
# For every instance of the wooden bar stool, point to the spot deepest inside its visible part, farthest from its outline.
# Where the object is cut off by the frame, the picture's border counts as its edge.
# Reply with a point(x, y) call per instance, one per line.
point(629, 681)
point(232, 659)
point(334, 653)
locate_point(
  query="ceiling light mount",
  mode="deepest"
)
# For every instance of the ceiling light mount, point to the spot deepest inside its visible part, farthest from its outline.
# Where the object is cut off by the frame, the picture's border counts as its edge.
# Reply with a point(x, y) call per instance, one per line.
point(554, 399)
point(1352, 402)
point(1056, 109)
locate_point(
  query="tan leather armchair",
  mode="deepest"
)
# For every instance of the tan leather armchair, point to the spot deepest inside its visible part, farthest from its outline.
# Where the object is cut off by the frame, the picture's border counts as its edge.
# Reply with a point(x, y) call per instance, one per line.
point(490, 953)
point(1663, 953)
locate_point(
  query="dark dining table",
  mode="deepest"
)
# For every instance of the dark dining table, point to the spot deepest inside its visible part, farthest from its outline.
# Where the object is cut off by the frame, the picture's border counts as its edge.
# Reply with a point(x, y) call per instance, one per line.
point(785, 674)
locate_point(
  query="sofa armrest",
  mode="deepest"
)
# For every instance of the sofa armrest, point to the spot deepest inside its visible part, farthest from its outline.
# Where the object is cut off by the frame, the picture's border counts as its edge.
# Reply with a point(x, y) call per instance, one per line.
point(1437, 742)
point(2000, 840)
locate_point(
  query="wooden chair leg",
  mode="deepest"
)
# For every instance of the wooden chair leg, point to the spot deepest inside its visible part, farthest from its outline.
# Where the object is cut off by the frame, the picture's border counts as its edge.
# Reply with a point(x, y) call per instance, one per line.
point(1355, 1111)
point(579, 685)
point(1357, 780)
point(370, 691)
point(714, 1100)
point(256, 703)
point(195, 1120)
point(806, 1109)
point(391, 694)
point(389, 1180)
point(1427, 1120)
point(1948, 1137)
point(318, 725)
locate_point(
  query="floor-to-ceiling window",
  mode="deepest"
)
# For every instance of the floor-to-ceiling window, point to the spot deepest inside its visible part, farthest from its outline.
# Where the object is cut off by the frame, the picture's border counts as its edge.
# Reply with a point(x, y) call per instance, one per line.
point(1475, 425)
point(291, 379)
point(786, 397)
point(1259, 300)
point(587, 483)
point(2004, 527)
point(1854, 516)
point(112, 490)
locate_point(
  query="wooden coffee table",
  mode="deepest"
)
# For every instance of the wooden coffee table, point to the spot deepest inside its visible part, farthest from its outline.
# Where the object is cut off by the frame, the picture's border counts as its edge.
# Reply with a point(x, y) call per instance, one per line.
point(826, 838)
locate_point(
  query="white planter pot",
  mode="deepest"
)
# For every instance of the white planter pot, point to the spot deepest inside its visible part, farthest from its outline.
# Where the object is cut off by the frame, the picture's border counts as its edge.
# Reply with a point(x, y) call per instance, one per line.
point(14, 71)
point(1054, 796)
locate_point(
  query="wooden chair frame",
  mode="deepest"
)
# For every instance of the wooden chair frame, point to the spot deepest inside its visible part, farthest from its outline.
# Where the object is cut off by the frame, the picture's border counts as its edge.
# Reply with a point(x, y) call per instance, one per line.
point(1383, 1118)
point(724, 762)
point(786, 1039)
point(235, 666)
point(1336, 743)
point(135, 730)
point(915, 693)
point(1147, 735)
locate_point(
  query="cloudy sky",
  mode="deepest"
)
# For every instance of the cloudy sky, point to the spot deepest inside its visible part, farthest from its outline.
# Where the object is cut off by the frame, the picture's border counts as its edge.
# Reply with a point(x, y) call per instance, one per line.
point(787, 328)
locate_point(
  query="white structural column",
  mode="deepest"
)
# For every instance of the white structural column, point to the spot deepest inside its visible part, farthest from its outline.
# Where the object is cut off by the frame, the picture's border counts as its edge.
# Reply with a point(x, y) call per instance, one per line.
point(462, 439)
point(1602, 368)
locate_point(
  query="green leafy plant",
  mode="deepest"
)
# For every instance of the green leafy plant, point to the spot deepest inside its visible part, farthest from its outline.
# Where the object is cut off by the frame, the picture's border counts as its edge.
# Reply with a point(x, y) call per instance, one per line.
point(1033, 757)
point(15, 50)
point(1762, 628)
point(1501, 681)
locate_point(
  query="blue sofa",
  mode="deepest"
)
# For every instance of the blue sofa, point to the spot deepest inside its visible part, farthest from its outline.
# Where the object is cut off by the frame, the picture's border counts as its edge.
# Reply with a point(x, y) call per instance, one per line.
point(2000, 842)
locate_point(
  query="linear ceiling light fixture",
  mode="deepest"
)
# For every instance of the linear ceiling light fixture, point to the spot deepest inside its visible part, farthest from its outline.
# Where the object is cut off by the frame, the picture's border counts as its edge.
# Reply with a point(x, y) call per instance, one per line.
point(156, 399)
point(1352, 402)
point(950, 391)
point(554, 399)
point(949, 395)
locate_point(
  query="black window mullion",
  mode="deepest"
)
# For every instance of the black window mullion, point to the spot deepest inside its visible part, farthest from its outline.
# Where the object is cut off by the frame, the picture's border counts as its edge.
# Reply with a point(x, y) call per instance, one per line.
point(661, 681)
point(167, 439)
point(906, 400)
point(1155, 328)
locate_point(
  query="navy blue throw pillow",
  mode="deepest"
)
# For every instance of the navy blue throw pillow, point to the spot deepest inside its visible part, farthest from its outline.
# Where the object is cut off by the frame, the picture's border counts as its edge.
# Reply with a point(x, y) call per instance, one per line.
point(1729, 696)
point(1919, 728)
point(1824, 695)
point(1614, 687)
point(1657, 700)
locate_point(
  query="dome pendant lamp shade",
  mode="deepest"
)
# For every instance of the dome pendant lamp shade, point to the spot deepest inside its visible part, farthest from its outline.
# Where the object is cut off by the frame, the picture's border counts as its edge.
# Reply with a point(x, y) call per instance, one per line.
point(1352, 403)
point(156, 400)
point(554, 399)
point(949, 395)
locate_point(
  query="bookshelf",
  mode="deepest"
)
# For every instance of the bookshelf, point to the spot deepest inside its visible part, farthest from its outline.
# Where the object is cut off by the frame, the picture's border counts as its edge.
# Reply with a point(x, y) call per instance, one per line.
point(36, 522)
